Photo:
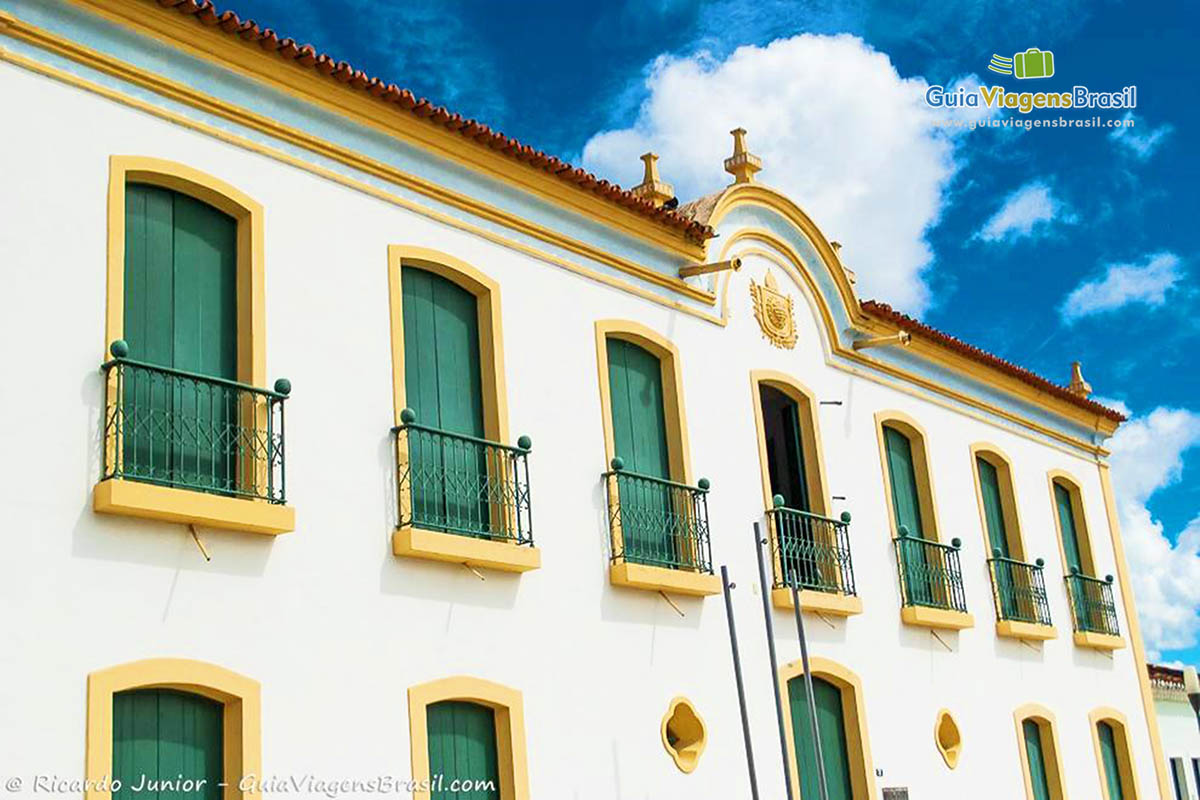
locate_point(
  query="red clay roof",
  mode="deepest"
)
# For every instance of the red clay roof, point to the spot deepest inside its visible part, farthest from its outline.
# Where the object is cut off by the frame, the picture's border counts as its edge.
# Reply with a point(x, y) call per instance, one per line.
point(906, 323)
point(1166, 675)
point(205, 13)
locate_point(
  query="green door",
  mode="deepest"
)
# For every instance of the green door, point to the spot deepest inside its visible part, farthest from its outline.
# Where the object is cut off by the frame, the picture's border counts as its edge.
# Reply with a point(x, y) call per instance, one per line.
point(167, 745)
point(1112, 767)
point(1035, 757)
point(1066, 524)
point(907, 507)
point(180, 311)
point(442, 384)
point(799, 559)
point(462, 747)
point(831, 727)
point(1010, 583)
point(639, 426)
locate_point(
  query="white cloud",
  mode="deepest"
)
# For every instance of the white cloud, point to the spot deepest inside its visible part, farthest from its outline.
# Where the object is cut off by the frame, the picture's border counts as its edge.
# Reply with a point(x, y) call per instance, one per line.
point(1140, 141)
point(1026, 211)
point(1147, 456)
point(839, 131)
point(1124, 284)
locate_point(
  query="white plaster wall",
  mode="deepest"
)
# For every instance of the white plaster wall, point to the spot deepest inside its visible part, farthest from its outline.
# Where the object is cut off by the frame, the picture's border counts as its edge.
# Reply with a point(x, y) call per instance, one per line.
point(336, 628)
point(1180, 737)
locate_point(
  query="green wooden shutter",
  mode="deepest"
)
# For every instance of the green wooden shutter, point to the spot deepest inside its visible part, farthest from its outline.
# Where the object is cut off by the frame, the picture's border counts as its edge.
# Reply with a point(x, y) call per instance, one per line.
point(161, 739)
point(907, 506)
point(993, 510)
point(1112, 767)
point(1066, 523)
point(782, 435)
point(1036, 760)
point(640, 437)
point(831, 726)
point(462, 746)
point(443, 385)
point(180, 311)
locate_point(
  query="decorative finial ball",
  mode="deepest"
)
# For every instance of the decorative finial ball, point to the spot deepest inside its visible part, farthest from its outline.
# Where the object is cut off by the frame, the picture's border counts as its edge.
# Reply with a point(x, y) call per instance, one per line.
point(778, 501)
point(1074, 570)
point(956, 542)
point(119, 348)
point(846, 517)
point(903, 531)
point(995, 552)
point(408, 416)
point(1108, 578)
point(617, 464)
point(703, 484)
point(283, 386)
point(1041, 562)
point(525, 443)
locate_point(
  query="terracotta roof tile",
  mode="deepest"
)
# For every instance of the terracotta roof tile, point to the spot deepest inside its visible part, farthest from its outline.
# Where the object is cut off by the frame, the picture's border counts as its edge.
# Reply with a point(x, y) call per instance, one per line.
point(904, 322)
point(206, 13)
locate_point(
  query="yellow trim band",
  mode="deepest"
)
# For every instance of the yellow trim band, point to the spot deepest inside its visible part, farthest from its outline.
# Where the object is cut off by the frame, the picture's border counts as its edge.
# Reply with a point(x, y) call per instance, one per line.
point(168, 504)
point(470, 550)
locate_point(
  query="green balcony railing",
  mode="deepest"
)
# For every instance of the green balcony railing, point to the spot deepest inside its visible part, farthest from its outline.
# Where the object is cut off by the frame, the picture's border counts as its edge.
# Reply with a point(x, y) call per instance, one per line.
point(658, 522)
point(181, 429)
point(453, 483)
point(1092, 607)
point(810, 551)
point(1019, 590)
point(930, 572)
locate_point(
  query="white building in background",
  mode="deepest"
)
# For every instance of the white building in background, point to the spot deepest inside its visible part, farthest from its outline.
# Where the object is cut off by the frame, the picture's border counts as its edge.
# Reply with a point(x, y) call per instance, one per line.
point(1179, 724)
point(475, 533)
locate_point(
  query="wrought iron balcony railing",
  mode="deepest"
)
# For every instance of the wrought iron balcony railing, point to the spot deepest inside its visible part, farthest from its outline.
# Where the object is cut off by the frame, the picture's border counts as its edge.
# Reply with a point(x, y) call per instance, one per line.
point(658, 522)
point(930, 572)
point(1092, 607)
point(453, 483)
point(175, 428)
point(1019, 590)
point(810, 551)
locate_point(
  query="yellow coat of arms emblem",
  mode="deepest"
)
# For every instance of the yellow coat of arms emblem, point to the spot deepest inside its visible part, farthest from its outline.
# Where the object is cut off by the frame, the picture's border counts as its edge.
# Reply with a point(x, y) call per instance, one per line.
point(773, 310)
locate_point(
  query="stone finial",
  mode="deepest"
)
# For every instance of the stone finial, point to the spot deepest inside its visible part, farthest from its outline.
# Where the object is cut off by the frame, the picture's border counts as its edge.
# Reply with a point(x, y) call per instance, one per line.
point(1078, 386)
point(652, 187)
point(742, 164)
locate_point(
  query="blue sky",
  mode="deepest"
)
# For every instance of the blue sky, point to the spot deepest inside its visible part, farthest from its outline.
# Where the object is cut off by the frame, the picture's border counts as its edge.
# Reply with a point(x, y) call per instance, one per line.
point(1042, 246)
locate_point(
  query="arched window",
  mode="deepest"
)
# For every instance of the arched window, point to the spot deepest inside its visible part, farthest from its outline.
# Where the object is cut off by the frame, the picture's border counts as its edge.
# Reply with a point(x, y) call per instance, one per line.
point(1041, 762)
point(164, 727)
point(930, 571)
point(658, 520)
point(462, 488)
point(809, 547)
point(842, 725)
point(467, 730)
point(1114, 758)
point(1018, 583)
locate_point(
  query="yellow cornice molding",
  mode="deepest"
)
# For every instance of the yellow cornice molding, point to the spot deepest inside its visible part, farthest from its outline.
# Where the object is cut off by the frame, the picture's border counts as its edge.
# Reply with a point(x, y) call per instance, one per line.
point(248, 60)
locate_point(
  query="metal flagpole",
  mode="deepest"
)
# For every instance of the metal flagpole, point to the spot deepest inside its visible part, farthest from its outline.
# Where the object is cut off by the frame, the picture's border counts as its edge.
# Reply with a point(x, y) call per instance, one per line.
point(741, 689)
point(808, 690)
point(766, 592)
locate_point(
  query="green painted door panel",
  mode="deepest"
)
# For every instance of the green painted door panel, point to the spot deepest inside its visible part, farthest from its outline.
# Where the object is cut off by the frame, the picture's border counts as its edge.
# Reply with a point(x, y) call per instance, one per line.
point(462, 746)
point(640, 438)
point(443, 385)
point(997, 533)
point(1112, 767)
point(907, 507)
point(1036, 759)
point(161, 740)
point(1066, 523)
point(831, 726)
point(180, 311)
point(786, 469)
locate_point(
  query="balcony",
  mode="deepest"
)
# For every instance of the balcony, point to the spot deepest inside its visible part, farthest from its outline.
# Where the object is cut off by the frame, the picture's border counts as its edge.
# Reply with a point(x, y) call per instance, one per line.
point(659, 532)
point(931, 585)
point(462, 499)
point(1019, 594)
point(190, 448)
point(812, 553)
point(1093, 611)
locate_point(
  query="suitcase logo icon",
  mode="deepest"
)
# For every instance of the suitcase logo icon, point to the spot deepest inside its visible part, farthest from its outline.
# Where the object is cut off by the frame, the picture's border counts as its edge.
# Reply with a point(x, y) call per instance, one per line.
point(1033, 63)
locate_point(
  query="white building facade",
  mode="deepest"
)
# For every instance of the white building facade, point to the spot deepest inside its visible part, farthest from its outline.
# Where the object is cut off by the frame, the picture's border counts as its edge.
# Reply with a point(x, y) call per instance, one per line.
point(364, 445)
point(1179, 724)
